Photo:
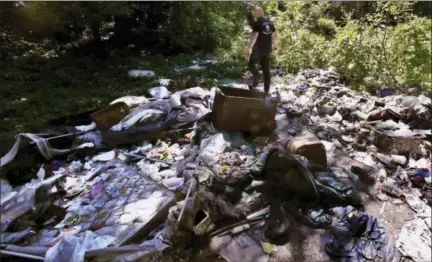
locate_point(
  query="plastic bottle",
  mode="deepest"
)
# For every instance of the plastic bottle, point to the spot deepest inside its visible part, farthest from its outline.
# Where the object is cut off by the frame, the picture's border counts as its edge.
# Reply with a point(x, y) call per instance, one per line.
point(400, 160)
point(384, 159)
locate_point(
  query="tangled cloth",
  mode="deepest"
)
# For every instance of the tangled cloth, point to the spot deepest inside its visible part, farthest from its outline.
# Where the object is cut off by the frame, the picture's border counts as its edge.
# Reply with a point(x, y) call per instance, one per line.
point(356, 236)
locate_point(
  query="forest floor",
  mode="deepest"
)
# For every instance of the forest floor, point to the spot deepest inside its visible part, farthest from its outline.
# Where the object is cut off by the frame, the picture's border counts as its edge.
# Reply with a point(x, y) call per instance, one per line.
point(34, 92)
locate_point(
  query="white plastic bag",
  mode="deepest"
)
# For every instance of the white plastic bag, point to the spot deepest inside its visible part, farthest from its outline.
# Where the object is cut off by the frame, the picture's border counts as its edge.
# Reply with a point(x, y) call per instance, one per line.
point(211, 148)
point(141, 73)
point(159, 92)
point(173, 183)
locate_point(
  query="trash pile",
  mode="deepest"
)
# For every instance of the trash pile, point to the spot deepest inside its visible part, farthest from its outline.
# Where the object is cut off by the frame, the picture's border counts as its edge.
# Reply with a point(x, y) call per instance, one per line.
point(151, 178)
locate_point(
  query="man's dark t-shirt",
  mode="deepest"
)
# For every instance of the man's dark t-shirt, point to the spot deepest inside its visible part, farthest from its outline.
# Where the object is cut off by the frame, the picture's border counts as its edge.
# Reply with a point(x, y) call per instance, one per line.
point(265, 28)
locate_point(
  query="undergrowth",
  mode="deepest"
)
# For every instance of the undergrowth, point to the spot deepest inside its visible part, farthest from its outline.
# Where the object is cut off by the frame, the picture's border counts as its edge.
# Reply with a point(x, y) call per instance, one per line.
point(35, 91)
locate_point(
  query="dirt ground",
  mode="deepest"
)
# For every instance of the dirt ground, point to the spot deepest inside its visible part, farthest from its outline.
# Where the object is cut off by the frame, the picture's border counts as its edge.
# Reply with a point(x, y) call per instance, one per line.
point(306, 243)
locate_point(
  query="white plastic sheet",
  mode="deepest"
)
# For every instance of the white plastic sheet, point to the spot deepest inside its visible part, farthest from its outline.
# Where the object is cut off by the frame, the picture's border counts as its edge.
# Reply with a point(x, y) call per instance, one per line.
point(72, 248)
point(141, 73)
point(415, 237)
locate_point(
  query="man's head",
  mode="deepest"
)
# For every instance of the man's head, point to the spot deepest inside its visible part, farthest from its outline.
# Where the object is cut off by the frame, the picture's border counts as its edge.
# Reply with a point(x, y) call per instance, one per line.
point(258, 12)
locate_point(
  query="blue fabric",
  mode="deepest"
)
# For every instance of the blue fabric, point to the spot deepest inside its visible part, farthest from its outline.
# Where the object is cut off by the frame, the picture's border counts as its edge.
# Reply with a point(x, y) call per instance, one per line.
point(356, 236)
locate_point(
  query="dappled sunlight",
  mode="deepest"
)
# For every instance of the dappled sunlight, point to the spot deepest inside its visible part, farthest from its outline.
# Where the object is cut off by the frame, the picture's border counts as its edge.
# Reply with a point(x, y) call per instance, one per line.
point(143, 131)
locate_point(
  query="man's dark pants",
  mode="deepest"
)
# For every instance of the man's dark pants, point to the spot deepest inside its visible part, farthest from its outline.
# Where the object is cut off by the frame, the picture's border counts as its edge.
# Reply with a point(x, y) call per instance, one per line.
point(263, 60)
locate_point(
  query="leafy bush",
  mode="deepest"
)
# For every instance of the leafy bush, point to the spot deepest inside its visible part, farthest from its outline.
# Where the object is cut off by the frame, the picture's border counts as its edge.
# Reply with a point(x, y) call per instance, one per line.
point(386, 45)
point(163, 27)
point(371, 43)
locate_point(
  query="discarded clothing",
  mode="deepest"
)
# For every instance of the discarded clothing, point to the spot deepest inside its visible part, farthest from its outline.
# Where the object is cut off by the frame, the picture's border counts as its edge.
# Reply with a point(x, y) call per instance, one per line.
point(315, 216)
point(288, 175)
point(356, 236)
point(332, 190)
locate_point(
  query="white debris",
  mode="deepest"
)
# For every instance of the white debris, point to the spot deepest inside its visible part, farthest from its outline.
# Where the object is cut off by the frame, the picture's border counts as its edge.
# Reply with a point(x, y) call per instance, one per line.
point(141, 73)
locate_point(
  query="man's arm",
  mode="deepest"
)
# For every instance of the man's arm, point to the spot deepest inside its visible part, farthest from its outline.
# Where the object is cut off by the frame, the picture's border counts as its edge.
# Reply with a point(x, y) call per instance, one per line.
point(253, 39)
point(275, 40)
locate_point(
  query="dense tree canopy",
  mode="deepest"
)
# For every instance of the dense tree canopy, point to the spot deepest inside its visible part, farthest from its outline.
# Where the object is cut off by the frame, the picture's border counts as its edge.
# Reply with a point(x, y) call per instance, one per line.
point(370, 42)
point(158, 26)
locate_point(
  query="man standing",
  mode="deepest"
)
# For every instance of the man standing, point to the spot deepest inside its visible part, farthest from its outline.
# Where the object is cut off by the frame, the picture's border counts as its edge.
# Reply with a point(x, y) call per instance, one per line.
point(260, 48)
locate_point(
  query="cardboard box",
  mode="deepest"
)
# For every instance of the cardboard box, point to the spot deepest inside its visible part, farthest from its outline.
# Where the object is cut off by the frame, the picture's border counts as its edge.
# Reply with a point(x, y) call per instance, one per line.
point(110, 115)
point(241, 110)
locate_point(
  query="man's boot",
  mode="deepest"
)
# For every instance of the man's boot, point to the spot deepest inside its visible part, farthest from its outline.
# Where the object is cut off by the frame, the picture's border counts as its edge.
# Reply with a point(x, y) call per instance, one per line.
point(255, 83)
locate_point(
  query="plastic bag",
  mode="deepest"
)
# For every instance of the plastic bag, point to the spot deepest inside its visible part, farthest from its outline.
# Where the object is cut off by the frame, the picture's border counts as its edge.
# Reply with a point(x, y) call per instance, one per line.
point(138, 118)
point(189, 114)
point(175, 101)
point(159, 92)
point(414, 240)
point(86, 128)
point(141, 73)
point(315, 216)
point(173, 183)
point(88, 138)
point(333, 191)
point(164, 81)
point(194, 92)
point(211, 148)
point(41, 142)
point(131, 101)
point(6, 188)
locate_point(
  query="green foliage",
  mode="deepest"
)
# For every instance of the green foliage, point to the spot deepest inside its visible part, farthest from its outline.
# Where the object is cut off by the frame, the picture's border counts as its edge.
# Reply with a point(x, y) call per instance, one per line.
point(201, 25)
point(371, 43)
point(410, 52)
point(165, 26)
point(35, 92)
point(45, 18)
point(387, 44)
